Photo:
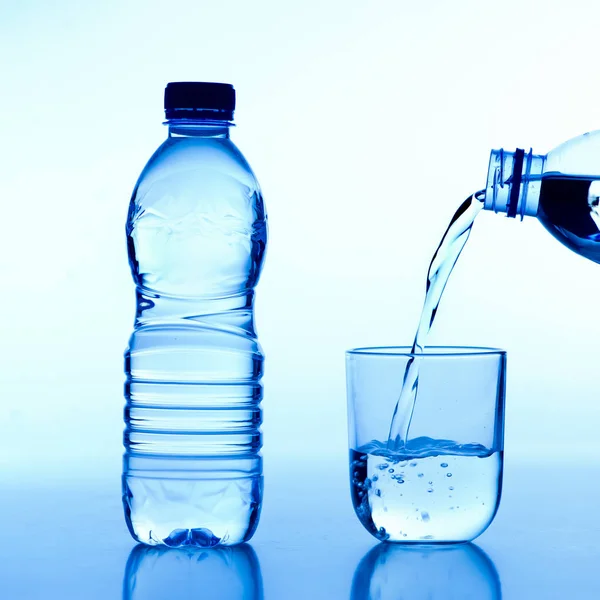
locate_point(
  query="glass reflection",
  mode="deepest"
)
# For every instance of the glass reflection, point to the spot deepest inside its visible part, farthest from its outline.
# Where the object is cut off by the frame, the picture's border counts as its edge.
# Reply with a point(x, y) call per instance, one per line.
point(158, 573)
point(389, 572)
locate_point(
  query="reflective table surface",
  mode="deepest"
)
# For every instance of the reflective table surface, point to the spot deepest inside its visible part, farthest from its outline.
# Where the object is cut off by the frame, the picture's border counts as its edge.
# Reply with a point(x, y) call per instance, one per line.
point(66, 538)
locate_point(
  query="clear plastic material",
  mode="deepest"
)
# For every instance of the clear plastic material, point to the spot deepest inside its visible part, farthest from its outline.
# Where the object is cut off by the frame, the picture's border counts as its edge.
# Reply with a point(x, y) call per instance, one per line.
point(444, 484)
point(561, 188)
point(500, 191)
point(196, 234)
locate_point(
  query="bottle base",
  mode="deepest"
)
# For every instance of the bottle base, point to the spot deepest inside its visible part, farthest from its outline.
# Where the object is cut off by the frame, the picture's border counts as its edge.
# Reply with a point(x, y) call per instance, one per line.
point(192, 508)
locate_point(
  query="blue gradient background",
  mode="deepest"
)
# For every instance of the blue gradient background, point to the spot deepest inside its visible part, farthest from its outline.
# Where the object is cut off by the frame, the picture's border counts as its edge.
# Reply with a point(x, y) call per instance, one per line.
point(366, 123)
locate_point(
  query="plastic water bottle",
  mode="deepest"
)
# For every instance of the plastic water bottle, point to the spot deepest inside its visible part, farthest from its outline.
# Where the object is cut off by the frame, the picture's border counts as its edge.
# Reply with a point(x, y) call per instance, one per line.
point(561, 188)
point(196, 235)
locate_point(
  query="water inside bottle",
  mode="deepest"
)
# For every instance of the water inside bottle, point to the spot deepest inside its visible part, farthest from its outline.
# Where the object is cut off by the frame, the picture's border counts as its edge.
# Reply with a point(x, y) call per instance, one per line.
point(569, 210)
point(196, 234)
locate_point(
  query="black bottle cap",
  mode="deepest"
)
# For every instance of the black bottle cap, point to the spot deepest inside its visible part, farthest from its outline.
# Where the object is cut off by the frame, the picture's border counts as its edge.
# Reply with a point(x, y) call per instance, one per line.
point(199, 100)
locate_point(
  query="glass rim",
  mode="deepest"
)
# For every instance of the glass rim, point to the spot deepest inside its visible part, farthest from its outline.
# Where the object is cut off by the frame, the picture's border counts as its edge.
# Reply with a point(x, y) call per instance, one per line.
point(429, 351)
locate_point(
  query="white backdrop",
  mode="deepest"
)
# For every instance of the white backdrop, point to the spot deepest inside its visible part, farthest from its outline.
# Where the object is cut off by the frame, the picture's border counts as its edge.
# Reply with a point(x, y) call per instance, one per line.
point(367, 124)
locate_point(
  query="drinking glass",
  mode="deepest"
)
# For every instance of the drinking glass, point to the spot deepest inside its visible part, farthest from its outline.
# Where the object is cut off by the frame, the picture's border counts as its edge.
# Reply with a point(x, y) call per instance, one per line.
point(442, 483)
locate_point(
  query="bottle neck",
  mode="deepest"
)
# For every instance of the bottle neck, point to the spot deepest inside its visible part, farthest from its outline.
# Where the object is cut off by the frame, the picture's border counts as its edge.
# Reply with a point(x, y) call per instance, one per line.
point(513, 182)
point(206, 128)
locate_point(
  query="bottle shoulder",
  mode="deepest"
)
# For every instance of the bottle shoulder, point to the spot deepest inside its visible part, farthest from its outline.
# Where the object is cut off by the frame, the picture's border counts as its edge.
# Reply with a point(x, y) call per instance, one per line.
point(204, 159)
point(579, 157)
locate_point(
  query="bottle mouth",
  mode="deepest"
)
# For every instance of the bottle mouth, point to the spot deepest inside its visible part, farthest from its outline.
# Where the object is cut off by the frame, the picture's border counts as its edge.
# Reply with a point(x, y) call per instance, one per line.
point(213, 126)
point(513, 182)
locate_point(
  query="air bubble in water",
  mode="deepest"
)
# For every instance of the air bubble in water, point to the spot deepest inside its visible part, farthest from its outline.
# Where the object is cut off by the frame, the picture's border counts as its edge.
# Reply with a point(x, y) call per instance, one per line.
point(420, 475)
point(390, 470)
point(430, 490)
point(425, 516)
point(448, 474)
point(382, 466)
point(444, 465)
point(451, 488)
point(413, 463)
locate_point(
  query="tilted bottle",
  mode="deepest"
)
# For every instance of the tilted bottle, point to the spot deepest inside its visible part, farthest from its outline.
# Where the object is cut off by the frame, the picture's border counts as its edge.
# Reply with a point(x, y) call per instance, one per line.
point(561, 189)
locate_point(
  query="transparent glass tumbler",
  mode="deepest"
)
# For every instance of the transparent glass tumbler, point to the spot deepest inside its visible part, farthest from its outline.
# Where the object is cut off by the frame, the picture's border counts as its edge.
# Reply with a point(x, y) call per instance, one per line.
point(442, 484)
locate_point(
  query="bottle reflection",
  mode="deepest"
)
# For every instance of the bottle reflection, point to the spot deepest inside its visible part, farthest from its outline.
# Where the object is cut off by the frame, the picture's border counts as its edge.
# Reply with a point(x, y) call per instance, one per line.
point(158, 573)
point(389, 572)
